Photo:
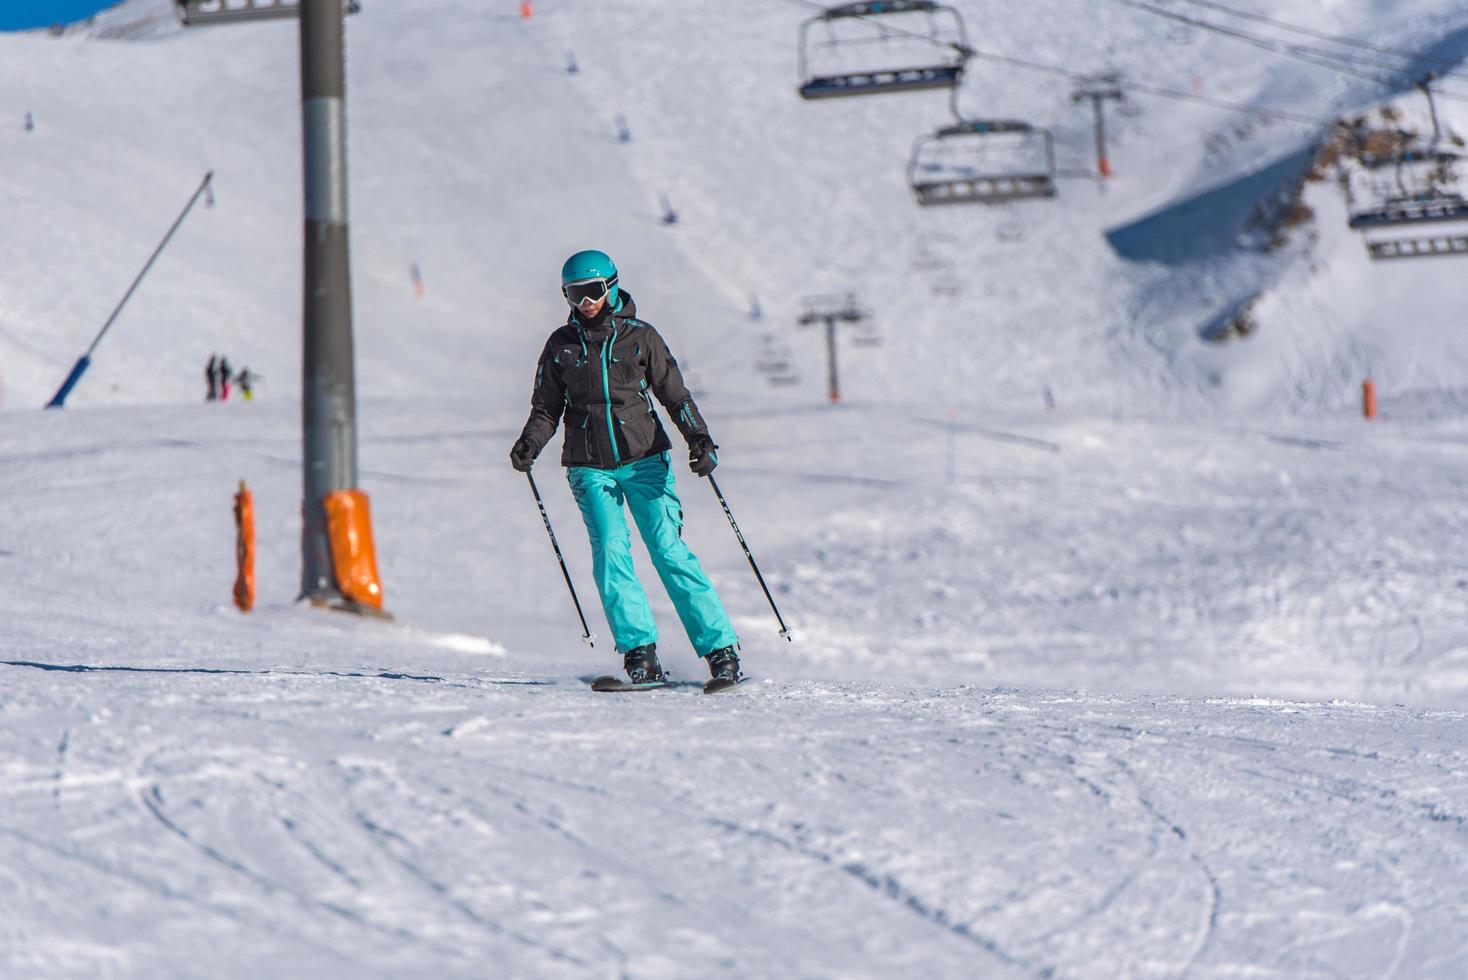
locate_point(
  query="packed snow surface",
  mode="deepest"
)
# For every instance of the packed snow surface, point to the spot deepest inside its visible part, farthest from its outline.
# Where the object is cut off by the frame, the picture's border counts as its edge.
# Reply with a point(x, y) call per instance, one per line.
point(1167, 680)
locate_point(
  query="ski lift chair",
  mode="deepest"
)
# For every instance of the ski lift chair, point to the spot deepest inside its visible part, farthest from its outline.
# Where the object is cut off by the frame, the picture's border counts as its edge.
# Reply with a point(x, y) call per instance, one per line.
point(882, 46)
point(985, 161)
point(1415, 227)
point(198, 13)
point(1416, 217)
point(1420, 213)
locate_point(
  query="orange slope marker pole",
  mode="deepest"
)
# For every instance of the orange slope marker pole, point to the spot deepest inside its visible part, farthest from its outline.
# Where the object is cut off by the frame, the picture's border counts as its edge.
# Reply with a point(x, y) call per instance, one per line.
point(1368, 398)
point(244, 549)
point(353, 554)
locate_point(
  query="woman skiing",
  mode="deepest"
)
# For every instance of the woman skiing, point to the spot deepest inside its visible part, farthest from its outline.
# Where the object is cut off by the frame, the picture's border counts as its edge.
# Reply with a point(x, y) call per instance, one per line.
point(600, 371)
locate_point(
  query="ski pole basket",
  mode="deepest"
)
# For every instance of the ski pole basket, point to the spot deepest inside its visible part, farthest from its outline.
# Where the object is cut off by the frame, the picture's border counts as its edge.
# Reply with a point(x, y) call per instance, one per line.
point(881, 46)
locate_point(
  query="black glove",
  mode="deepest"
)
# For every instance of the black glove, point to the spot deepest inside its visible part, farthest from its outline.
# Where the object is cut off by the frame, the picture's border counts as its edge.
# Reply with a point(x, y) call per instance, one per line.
point(522, 457)
point(701, 456)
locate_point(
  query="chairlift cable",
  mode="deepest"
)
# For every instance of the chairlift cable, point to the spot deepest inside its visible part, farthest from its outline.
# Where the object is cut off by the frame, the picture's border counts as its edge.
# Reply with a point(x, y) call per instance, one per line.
point(1327, 36)
point(1166, 93)
point(1281, 45)
point(1314, 56)
point(1283, 115)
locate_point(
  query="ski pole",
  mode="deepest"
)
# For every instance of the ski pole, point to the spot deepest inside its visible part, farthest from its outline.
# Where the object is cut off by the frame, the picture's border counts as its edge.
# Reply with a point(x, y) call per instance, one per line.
point(784, 630)
point(585, 630)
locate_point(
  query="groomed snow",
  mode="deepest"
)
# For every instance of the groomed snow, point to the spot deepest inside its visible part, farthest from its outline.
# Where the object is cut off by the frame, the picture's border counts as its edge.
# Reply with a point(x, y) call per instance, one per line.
point(1168, 681)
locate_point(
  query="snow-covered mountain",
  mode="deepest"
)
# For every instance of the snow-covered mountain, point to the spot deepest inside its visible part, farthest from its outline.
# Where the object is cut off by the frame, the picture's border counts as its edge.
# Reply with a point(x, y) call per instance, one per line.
point(477, 156)
point(1166, 680)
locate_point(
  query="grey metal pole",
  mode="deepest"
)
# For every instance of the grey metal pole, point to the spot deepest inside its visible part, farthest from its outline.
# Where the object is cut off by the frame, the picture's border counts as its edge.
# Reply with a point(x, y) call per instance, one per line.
point(832, 378)
point(1103, 165)
point(1425, 84)
point(328, 381)
point(1098, 96)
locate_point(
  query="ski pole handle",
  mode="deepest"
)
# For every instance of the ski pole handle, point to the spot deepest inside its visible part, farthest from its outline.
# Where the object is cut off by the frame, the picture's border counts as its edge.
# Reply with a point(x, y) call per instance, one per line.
point(586, 633)
point(784, 630)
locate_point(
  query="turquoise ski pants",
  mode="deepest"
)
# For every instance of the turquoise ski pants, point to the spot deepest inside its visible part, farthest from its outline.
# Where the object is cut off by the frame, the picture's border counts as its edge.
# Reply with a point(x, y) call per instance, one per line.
point(647, 488)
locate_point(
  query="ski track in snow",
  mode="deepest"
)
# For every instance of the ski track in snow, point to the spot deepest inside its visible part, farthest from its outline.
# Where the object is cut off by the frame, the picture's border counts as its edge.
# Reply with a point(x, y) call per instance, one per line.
point(958, 830)
point(293, 791)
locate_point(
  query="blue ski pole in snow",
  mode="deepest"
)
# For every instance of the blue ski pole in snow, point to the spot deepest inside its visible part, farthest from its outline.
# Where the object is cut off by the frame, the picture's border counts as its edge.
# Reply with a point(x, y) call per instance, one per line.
point(586, 633)
point(784, 630)
point(58, 400)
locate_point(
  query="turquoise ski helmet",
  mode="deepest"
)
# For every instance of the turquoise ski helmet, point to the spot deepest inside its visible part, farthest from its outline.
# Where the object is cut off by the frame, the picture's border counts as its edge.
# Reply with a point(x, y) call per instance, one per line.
point(592, 264)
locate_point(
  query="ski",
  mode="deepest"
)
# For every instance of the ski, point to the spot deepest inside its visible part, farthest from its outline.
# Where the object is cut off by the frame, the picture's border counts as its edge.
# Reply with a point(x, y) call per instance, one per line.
point(607, 682)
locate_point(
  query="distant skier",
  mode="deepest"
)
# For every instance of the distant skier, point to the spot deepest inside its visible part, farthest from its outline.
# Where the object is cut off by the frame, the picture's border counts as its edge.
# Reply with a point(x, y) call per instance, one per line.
point(247, 379)
point(211, 375)
point(225, 377)
point(597, 370)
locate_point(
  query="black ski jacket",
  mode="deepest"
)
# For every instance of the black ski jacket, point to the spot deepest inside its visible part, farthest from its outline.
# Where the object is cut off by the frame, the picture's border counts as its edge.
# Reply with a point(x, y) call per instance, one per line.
point(602, 378)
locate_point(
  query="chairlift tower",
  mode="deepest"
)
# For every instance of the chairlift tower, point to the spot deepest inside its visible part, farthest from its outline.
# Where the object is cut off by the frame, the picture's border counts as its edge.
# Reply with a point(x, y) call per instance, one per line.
point(1098, 92)
point(830, 311)
point(328, 378)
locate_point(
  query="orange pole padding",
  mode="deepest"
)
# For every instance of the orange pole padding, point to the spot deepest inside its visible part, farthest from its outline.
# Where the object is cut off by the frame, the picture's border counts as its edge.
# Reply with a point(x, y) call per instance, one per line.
point(244, 549)
point(353, 555)
point(1368, 398)
point(525, 10)
point(1105, 167)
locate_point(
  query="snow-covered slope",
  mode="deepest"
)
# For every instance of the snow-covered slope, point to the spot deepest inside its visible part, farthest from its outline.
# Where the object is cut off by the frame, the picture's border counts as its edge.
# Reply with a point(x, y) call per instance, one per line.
point(476, 155)
point(928, 780)
point(1336, 317)
point(1133, 687)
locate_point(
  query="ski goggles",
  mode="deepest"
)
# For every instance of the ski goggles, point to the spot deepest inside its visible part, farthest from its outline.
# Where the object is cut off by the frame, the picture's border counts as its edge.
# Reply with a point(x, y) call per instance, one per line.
point(592, 290)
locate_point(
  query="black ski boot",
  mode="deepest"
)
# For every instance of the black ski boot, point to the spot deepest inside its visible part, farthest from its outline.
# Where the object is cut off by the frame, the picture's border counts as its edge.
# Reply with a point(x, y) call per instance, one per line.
point(724, 669)
point(641, 664)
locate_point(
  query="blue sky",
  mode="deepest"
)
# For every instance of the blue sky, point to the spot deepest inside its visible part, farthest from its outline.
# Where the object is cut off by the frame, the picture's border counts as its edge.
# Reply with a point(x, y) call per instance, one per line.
point(19, 14)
